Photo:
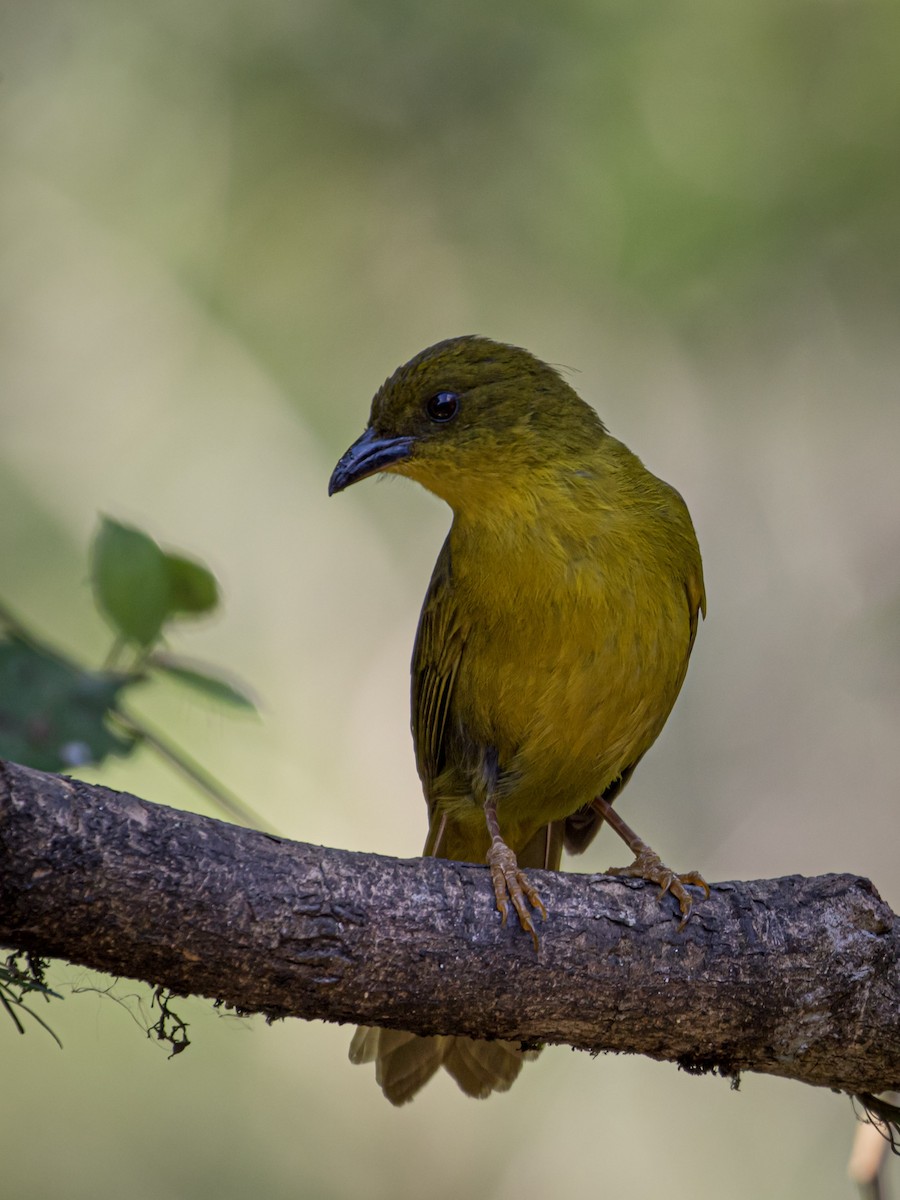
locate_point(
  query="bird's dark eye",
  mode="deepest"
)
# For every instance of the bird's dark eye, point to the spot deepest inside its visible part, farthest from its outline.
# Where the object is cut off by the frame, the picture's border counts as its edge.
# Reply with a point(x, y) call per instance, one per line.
point(443, 407)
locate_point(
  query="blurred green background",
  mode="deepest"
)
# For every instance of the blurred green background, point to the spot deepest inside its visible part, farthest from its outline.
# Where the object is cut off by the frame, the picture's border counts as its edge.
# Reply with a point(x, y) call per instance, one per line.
point(223, 225)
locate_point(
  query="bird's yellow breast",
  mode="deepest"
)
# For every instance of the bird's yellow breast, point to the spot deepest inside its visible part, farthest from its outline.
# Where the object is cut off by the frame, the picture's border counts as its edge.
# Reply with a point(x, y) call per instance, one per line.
point(577, 635)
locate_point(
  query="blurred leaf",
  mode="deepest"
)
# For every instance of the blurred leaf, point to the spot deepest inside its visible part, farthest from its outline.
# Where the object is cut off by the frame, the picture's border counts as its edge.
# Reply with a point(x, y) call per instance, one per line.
point(140, 586)
point(52, 714)
point(192, 587)
point(206, 680)
point(131, 581)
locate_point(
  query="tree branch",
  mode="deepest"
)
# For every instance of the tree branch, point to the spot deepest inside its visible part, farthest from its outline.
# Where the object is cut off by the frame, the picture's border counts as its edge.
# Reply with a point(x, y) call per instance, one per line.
point(793, 977)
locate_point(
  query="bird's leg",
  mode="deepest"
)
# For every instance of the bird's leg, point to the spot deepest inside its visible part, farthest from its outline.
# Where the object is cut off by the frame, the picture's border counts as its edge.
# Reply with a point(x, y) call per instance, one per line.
point(506, 877)
point(648, 865)
point(435, 837)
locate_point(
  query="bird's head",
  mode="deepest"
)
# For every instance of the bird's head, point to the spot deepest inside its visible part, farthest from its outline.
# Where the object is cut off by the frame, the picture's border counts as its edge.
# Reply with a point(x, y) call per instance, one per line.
point(469, 415)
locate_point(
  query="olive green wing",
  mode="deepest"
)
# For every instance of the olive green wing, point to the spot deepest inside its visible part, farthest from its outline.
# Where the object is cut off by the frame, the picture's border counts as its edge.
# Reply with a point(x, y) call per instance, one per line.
point(438, 653)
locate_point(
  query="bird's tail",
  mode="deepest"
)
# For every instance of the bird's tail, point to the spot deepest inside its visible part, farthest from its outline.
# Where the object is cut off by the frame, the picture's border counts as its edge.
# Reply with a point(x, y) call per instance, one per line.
point(404, 1062)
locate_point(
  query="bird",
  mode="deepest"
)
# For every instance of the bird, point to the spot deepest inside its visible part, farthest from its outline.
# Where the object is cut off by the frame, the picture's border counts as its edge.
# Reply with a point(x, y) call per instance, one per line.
point(553, 640)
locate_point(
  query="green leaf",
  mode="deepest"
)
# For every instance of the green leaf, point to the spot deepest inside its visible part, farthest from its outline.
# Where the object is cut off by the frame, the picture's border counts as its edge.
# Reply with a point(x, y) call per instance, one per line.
point(140, 587)
point(192, 588)
point(131, 581)
point(53, 714)
point(205, 680)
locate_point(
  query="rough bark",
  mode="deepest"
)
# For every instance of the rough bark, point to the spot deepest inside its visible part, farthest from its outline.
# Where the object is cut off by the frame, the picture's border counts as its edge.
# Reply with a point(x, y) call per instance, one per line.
point(794, 977)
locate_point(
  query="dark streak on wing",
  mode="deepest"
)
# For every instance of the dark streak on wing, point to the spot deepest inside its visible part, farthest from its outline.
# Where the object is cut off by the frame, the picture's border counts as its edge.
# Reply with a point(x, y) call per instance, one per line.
point(438, 651)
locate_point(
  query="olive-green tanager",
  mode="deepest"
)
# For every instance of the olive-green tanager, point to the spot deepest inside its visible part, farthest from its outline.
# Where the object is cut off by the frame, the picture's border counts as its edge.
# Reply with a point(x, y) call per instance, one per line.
point(553, 640)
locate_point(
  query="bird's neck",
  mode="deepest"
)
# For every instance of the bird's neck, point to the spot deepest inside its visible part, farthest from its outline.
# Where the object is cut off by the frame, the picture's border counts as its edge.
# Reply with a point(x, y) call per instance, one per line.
point(548, 500)
point(515, 534)
point(559, 521)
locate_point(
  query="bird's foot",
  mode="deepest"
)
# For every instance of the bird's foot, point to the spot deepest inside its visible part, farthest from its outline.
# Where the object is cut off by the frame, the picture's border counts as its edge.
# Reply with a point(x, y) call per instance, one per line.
point(648, 865)
point(511, 883)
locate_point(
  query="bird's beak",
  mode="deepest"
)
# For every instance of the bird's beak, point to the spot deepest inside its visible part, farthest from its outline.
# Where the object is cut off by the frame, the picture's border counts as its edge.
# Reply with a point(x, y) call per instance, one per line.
point(368, 454)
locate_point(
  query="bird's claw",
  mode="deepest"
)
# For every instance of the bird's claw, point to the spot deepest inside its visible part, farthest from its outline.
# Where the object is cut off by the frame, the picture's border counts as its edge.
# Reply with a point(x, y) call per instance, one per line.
point(509, 881)
point(648, 865)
